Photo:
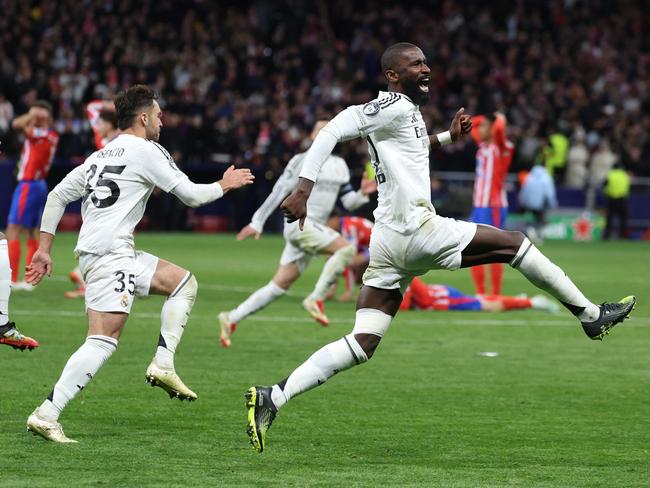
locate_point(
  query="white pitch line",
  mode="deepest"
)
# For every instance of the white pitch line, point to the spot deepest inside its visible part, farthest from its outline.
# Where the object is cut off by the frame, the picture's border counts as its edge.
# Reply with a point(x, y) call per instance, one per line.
point(437, 320)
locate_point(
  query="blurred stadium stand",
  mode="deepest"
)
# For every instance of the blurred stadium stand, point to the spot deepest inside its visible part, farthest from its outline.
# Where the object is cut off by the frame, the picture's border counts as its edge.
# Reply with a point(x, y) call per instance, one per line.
point(242, 82)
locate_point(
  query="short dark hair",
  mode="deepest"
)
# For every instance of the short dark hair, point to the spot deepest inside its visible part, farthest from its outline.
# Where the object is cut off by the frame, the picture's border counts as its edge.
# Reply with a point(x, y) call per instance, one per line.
point(389, 58)
point(44, 104)
point(129, 102)
point(109, 116)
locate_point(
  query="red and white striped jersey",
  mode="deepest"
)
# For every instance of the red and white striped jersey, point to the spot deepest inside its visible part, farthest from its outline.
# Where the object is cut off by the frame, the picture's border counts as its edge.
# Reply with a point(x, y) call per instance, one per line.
point(492, 162)
point(37, 154)
point(356, 230)
point(92, 112)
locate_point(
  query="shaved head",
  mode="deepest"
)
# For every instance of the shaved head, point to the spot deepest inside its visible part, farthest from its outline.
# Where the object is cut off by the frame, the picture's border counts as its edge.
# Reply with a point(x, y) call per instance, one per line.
point(391, 55)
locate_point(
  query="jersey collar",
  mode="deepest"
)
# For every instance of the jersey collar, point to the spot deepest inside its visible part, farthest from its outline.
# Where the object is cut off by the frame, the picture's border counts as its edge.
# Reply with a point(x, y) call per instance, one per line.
point(381, 92)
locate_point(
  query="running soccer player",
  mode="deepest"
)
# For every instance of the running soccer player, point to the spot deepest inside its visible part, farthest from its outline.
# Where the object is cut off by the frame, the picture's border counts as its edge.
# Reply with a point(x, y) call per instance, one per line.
point(493, 159)
point(103, 122)
point(114, 185)
point(301, 245)
point(422, 296)
point(9, 334)
point(29, 197)
point(408, 239)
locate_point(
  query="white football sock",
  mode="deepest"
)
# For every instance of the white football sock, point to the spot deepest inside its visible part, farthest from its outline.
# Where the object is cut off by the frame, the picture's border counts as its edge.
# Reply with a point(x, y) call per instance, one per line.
point(333, 267)
point(79, 370)
point(322, 365)
point(257, 301)
point(547, 276)
point(5, 282)
point(173, 317)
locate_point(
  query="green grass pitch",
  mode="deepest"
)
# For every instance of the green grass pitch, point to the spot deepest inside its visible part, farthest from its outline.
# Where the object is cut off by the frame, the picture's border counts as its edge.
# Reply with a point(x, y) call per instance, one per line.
point(554, 409)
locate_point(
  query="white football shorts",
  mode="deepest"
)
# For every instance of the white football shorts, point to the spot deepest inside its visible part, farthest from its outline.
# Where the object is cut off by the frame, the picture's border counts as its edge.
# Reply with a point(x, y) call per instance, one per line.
point(114, 279)
point(301, 246)
point(396, 258)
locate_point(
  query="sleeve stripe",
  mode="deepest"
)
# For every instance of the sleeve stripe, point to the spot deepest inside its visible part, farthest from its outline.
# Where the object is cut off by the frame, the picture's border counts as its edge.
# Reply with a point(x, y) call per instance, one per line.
point(388, 101)
point(161, 149)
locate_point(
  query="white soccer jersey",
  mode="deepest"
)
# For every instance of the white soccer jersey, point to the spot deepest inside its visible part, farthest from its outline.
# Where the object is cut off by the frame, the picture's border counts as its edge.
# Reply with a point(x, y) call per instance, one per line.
point(398, 144)
point(333, 181)
point(115, 184)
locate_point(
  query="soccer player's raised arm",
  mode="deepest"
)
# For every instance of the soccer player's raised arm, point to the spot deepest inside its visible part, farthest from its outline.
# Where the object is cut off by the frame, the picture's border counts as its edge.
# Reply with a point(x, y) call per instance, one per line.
point(70, 189)
point(460, 125)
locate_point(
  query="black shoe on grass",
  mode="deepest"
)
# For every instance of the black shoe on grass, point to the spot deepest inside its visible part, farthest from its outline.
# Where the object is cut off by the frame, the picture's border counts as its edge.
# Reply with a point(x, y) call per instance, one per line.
point(610, 315)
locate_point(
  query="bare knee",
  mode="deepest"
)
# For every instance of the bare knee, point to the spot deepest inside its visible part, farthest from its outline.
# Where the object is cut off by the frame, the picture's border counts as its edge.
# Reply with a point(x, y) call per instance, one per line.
point(368, 343)
point(516, 239)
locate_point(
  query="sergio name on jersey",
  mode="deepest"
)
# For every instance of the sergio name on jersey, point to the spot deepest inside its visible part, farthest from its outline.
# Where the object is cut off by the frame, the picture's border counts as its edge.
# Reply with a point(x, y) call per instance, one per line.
point(115, 184)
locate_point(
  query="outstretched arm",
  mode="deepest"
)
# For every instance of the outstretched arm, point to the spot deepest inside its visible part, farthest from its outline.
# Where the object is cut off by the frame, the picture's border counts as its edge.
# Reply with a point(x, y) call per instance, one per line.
point(196, 194)
point(460, 125)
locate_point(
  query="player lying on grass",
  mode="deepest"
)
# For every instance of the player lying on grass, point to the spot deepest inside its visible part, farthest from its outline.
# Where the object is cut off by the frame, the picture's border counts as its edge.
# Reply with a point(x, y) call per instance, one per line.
point(422, 296)
point(301, 245)
point(9, 334)
point(114, 185)
point(408, 239)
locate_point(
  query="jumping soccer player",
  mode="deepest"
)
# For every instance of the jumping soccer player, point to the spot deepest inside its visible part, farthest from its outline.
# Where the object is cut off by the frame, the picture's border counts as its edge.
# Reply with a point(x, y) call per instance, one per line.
point(9, 334)
point(301, 245)
point(493, 159)
point(422, 296)
point(408, 239)
point(114, 185)
point(103, 121)
point(29, 197)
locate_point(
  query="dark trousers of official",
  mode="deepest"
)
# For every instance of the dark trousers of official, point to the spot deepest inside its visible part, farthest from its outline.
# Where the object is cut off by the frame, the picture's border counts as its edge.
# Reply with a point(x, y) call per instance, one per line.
point(616, 208)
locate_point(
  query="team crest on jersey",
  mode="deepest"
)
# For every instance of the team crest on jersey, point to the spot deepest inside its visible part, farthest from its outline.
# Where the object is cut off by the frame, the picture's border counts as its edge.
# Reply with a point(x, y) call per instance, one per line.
point(125, 300)
point(371, 108)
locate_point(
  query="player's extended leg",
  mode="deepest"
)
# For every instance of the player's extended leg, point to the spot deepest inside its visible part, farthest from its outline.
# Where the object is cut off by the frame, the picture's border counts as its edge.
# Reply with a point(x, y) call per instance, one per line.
point(284, 277)
point(180, 288)
point(9, 334)
point(375, 311)
point(104, 329)
point(478, 276)
point(341, 254)
point(491, 245)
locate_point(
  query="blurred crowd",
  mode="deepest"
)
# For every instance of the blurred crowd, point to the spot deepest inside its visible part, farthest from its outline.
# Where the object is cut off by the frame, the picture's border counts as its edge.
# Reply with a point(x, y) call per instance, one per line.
point(244, 81)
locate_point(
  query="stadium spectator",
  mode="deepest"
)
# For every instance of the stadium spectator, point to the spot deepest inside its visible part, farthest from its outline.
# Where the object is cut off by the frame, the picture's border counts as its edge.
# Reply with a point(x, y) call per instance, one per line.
point(267, 70)
point(617, 191)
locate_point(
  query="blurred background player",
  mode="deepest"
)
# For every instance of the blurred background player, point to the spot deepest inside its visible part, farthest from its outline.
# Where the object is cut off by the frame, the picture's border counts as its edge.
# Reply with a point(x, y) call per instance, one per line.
point(9, 335)
point(103, 121)
point(493, 159)
point(355, 230)
point(302, 245)
point(31, 193)
point(422, 296)
point(536, 196)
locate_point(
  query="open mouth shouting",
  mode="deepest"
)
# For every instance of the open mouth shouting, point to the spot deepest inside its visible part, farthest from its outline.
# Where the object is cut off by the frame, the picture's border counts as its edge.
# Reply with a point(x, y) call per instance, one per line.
point(423, 84)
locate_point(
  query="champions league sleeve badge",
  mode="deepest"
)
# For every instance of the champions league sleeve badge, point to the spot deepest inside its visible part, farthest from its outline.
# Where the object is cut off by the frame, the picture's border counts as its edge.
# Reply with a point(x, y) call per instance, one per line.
point(371, 108)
